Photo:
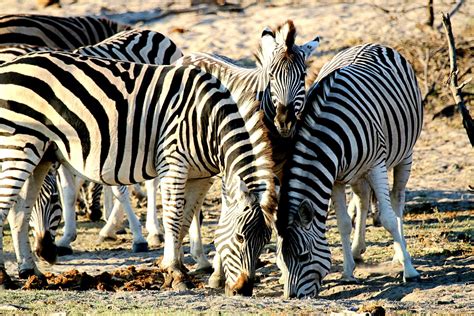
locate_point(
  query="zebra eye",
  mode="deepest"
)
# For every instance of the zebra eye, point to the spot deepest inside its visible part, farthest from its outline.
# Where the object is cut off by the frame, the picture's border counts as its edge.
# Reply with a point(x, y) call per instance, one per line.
point(271, 75)
point(240, 238)
point(304, 256)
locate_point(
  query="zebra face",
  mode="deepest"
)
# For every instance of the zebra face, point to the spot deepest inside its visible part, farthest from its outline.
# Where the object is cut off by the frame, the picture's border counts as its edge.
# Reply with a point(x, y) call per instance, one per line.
point(303, 255)
point(285, 64)
point(240, 238)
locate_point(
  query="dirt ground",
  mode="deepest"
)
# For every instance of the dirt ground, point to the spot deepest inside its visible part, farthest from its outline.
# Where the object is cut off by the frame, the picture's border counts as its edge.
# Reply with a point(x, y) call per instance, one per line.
point(439, 221)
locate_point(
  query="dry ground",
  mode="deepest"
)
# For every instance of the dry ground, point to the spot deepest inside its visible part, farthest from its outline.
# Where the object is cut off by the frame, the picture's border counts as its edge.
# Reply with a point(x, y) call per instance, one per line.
point(440, 210)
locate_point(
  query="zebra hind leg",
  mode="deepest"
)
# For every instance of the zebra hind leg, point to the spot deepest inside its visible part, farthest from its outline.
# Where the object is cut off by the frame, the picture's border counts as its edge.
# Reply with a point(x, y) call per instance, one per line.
point(93, 194)
point(379, 182)
point(139, 242)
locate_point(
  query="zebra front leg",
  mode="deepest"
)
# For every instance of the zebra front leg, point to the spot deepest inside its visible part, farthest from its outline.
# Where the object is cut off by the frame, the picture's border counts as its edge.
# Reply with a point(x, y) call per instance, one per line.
point(173, 200)
point(139, 242)
point(68, 189)
point(361, 200)
point(217, 278)
point(195, 240)
point(17, 165)
point(19, 218)
point(153, 226)
point(344, 224)
point(379, 183)
point(196, 191)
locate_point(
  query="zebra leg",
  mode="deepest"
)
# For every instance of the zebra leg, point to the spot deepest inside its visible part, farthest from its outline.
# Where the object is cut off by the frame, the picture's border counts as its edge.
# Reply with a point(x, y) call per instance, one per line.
point(68, 189)
point(19, 218)
point(379, 183)
point(361, 199)
point(153, 226)
point(217, 278)
point(196, 191)
point(108, 202)
point(401, 174)
point(93, 193)
point(20, 155)
point(195, 240)
point(139, 242)
point(173, 191)
point(344, 224)
point(114, 220)
point(374, 210)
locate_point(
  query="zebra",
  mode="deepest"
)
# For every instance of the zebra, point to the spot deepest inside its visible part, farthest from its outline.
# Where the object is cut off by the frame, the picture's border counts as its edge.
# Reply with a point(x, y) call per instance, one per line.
point(362, 116)
point(277, 82)
point(142, 46)
point(184, 127)
point(56, 32)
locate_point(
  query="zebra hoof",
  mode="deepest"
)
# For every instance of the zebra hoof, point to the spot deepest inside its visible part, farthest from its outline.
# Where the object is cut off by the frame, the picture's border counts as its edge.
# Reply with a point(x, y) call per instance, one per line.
point(121, 231)
point(140, 247)
point(349, 280)
point(204, 270)
point(103, 239)
point(180, 286)
point(155, 240)
point(26, 273)
point(5, 280)
point(412, 279)
point(64, 251)
point(358, 260)
point(216, 282)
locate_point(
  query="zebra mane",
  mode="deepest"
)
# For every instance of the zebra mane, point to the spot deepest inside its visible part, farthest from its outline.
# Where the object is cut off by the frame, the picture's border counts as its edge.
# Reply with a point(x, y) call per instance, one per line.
point(262, 150)
point(284, 34)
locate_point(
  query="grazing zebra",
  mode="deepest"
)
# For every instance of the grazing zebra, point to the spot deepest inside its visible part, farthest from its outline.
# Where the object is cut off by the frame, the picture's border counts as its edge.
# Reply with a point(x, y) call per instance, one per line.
point(141, 46)
point(56, 32)
point(277, 82)
point(179, 124)
point(361, 117)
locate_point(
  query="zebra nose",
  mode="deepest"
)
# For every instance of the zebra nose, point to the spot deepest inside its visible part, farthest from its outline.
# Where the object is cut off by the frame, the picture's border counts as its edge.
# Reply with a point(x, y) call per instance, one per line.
point(46, 248)
point(243, 286)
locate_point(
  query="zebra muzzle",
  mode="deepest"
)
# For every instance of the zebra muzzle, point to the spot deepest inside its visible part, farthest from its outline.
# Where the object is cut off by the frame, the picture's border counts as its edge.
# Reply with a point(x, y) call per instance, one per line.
point(243, 286)
point(46, 248)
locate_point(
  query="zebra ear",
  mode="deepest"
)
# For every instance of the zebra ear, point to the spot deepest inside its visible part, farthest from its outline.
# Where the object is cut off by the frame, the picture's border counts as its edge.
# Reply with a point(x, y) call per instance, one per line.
point(267, 42)
point(305, 213)
point(309, 48)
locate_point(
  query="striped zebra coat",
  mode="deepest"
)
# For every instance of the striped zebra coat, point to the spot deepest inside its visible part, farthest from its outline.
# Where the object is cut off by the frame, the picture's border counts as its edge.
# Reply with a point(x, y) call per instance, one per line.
point(56, 32)
point(277, 83)
point(362, 116)
point(141, 46)
point(175, 123)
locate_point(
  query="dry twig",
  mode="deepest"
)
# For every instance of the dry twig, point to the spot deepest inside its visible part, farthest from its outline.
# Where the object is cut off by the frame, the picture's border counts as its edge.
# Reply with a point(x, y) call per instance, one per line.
point(453, 79)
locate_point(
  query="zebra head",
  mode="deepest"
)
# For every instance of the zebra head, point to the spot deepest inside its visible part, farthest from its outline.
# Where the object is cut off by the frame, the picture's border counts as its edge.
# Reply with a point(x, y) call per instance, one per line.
point(241, 235)
point(284, 65)
point(45, 219)
point(303, 253)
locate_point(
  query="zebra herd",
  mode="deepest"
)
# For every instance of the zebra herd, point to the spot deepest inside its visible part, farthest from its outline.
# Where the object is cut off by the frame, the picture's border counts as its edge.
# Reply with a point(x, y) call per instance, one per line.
point(118, 106)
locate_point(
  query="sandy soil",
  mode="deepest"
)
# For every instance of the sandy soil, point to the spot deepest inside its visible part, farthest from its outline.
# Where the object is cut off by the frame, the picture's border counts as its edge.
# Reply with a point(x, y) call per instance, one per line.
point(440, 205)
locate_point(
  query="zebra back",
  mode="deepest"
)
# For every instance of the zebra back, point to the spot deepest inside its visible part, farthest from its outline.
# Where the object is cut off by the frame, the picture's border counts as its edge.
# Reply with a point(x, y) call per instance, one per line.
point(56, 32)
point(140, 46)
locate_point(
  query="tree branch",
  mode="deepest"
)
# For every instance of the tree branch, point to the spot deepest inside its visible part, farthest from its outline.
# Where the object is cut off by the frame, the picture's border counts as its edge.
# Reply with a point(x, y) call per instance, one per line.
point(453, 79)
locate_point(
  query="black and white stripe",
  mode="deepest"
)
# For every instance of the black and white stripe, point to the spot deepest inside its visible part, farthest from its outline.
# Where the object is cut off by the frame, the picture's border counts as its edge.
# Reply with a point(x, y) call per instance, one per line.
point(119, 123)
point(362, 116)
point(56, 32)
point(277, 83)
